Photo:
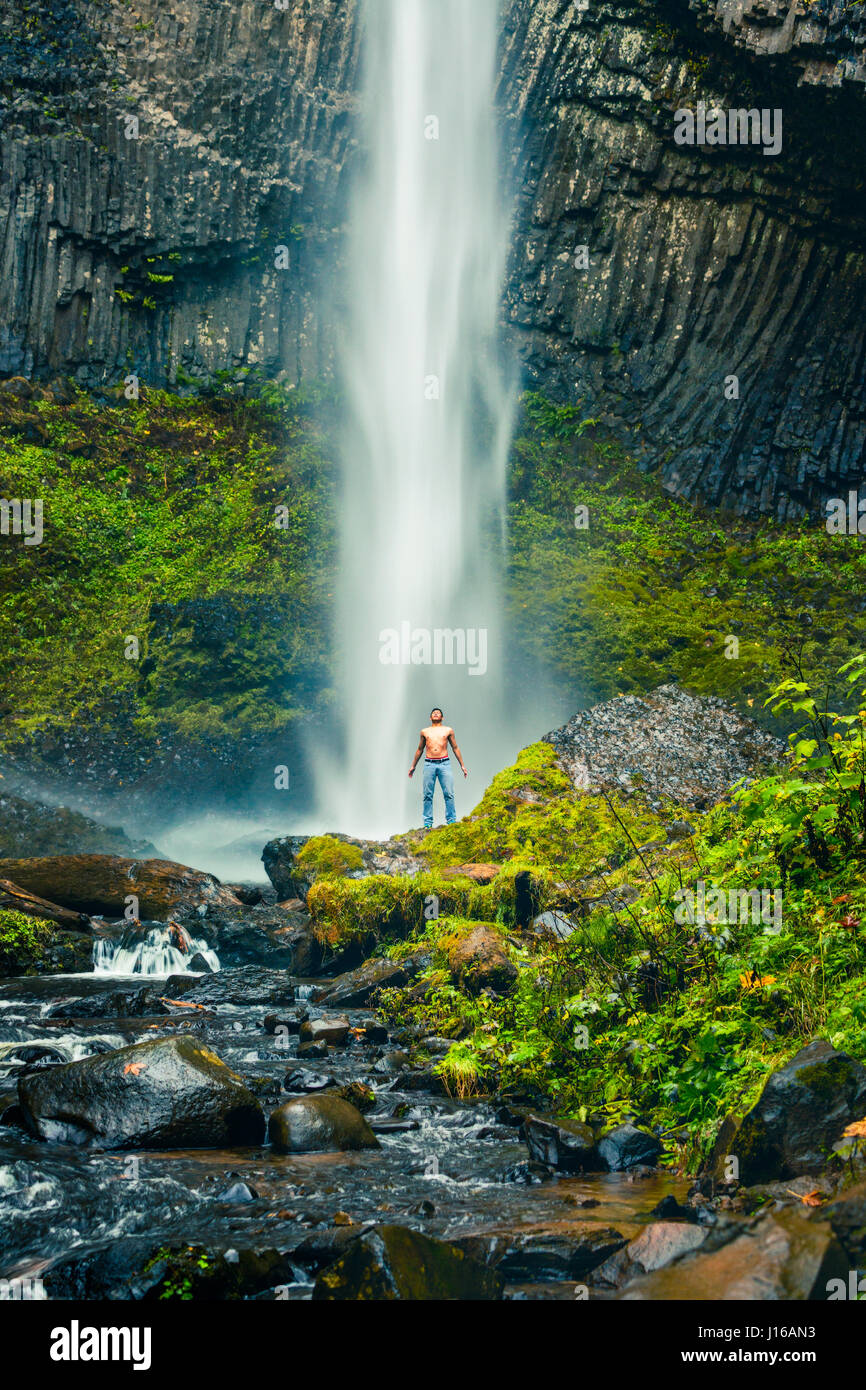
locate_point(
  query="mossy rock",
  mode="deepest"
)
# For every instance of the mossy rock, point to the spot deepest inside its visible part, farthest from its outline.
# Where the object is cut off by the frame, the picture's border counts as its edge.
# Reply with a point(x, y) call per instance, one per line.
point(393, 1263)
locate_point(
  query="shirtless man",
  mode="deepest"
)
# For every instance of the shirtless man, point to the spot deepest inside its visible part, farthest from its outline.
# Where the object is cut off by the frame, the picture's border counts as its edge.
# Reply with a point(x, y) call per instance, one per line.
point(433, 744)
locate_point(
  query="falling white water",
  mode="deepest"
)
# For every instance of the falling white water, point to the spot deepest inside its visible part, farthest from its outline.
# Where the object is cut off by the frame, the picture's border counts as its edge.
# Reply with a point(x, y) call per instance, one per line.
point(157, 950)
point(429, 415)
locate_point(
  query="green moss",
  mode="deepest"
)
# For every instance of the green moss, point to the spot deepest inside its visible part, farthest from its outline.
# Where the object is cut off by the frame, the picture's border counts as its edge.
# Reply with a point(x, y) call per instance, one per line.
point(326, 856)
point(24, 942)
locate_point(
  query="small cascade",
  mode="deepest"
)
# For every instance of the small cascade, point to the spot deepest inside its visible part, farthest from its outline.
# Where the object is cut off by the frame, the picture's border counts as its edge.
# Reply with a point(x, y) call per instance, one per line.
point(153, 948)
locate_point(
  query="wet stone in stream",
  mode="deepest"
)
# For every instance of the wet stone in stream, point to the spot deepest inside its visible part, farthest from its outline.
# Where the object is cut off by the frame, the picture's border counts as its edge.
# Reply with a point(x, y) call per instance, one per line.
point(91, 1220)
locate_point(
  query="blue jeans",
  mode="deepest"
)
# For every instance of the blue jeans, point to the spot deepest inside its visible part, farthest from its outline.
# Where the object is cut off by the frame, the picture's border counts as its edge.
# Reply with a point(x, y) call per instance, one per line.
point(441, 772)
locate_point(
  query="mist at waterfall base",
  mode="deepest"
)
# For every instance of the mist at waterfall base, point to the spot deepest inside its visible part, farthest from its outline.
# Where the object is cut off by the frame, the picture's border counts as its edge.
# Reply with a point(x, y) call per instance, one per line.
point(430, 408)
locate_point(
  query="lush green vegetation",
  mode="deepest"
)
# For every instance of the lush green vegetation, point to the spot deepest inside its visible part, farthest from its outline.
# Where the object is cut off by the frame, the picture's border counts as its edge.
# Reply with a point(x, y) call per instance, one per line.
point(160, 524)
point(651, 588)
point(23, 943)
point(669, 1008)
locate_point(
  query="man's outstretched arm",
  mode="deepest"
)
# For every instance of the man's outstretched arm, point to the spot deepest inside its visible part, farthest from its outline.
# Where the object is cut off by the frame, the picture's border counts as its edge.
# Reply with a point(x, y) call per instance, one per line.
point(458, 755)
point(418, 751)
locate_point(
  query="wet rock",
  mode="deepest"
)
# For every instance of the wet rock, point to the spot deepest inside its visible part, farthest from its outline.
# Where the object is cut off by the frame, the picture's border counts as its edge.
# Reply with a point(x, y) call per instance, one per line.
point(15, 899)
point(666, 743)
point(391, 1124)
point(392, 1064)
point(357, 987)
point(526, 1174)
point(628, 1147)
point(323, 1247)
point(543, 1250)
point(282, 1023)
point(199, 966)
point(237, 1192)
point(248, 984)
point(478, 960)
point(331, 1029)
point(116, 1003)
point(99, 884)
point(847, 1217)
point(313, 1051)
point(319, 1124)
point(781, 1256)
point(663, 1241)
point(422, 1080)
point(302, 1079)
point(168, 1093)
point(801, 1113)
point(361, 1096)
point(564, 1144)
point(394, 1263)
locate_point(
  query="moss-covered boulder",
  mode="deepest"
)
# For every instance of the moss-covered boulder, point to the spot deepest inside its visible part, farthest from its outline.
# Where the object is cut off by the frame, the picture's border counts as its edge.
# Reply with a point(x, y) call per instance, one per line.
point(478, 960)
point(171, 1093)
point(802, 1112)
point(32, 946)
point(393, 1263)
point(319, 1124)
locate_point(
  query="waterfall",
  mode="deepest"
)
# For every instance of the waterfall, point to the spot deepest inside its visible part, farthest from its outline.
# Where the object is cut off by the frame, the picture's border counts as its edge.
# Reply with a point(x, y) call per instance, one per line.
point(429, 417)
point(157, 949)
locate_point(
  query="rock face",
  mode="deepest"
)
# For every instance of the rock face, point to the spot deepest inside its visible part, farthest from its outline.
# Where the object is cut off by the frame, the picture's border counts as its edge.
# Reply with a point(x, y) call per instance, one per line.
point(244, 143)
point(101, 884)
point(669, 743)
point(803, 1110)
point(29, 828)
point(393, 1263)
point(171, 1093)
point(319, 1124)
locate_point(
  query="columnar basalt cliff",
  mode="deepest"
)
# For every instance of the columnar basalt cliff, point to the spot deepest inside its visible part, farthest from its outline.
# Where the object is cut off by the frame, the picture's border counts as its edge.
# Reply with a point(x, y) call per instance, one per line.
point(151, 248)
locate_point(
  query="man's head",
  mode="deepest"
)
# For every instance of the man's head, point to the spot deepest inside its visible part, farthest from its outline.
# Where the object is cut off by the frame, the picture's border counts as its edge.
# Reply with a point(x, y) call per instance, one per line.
point(436, 715)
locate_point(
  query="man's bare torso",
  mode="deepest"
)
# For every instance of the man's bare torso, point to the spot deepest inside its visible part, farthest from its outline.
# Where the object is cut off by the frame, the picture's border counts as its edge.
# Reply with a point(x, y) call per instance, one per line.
point(436, 738)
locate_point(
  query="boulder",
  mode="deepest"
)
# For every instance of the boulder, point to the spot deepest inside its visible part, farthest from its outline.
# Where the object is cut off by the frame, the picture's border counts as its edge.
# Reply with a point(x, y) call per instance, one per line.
point(781, 1256)
point(393, 1263)
point(116, 1003)
point(15, 899)
point(666, 743)
point(292, 879)
point(333, 1030)
point(628, 1147)
point(801, 1113)
point(253, 985)
point(356, 987)
point(100, 884)
point(319, 1124)
point(478, 960)
point(564, 1144)
point(543, 1250)
point(169, 1093)
point(663, 1241)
